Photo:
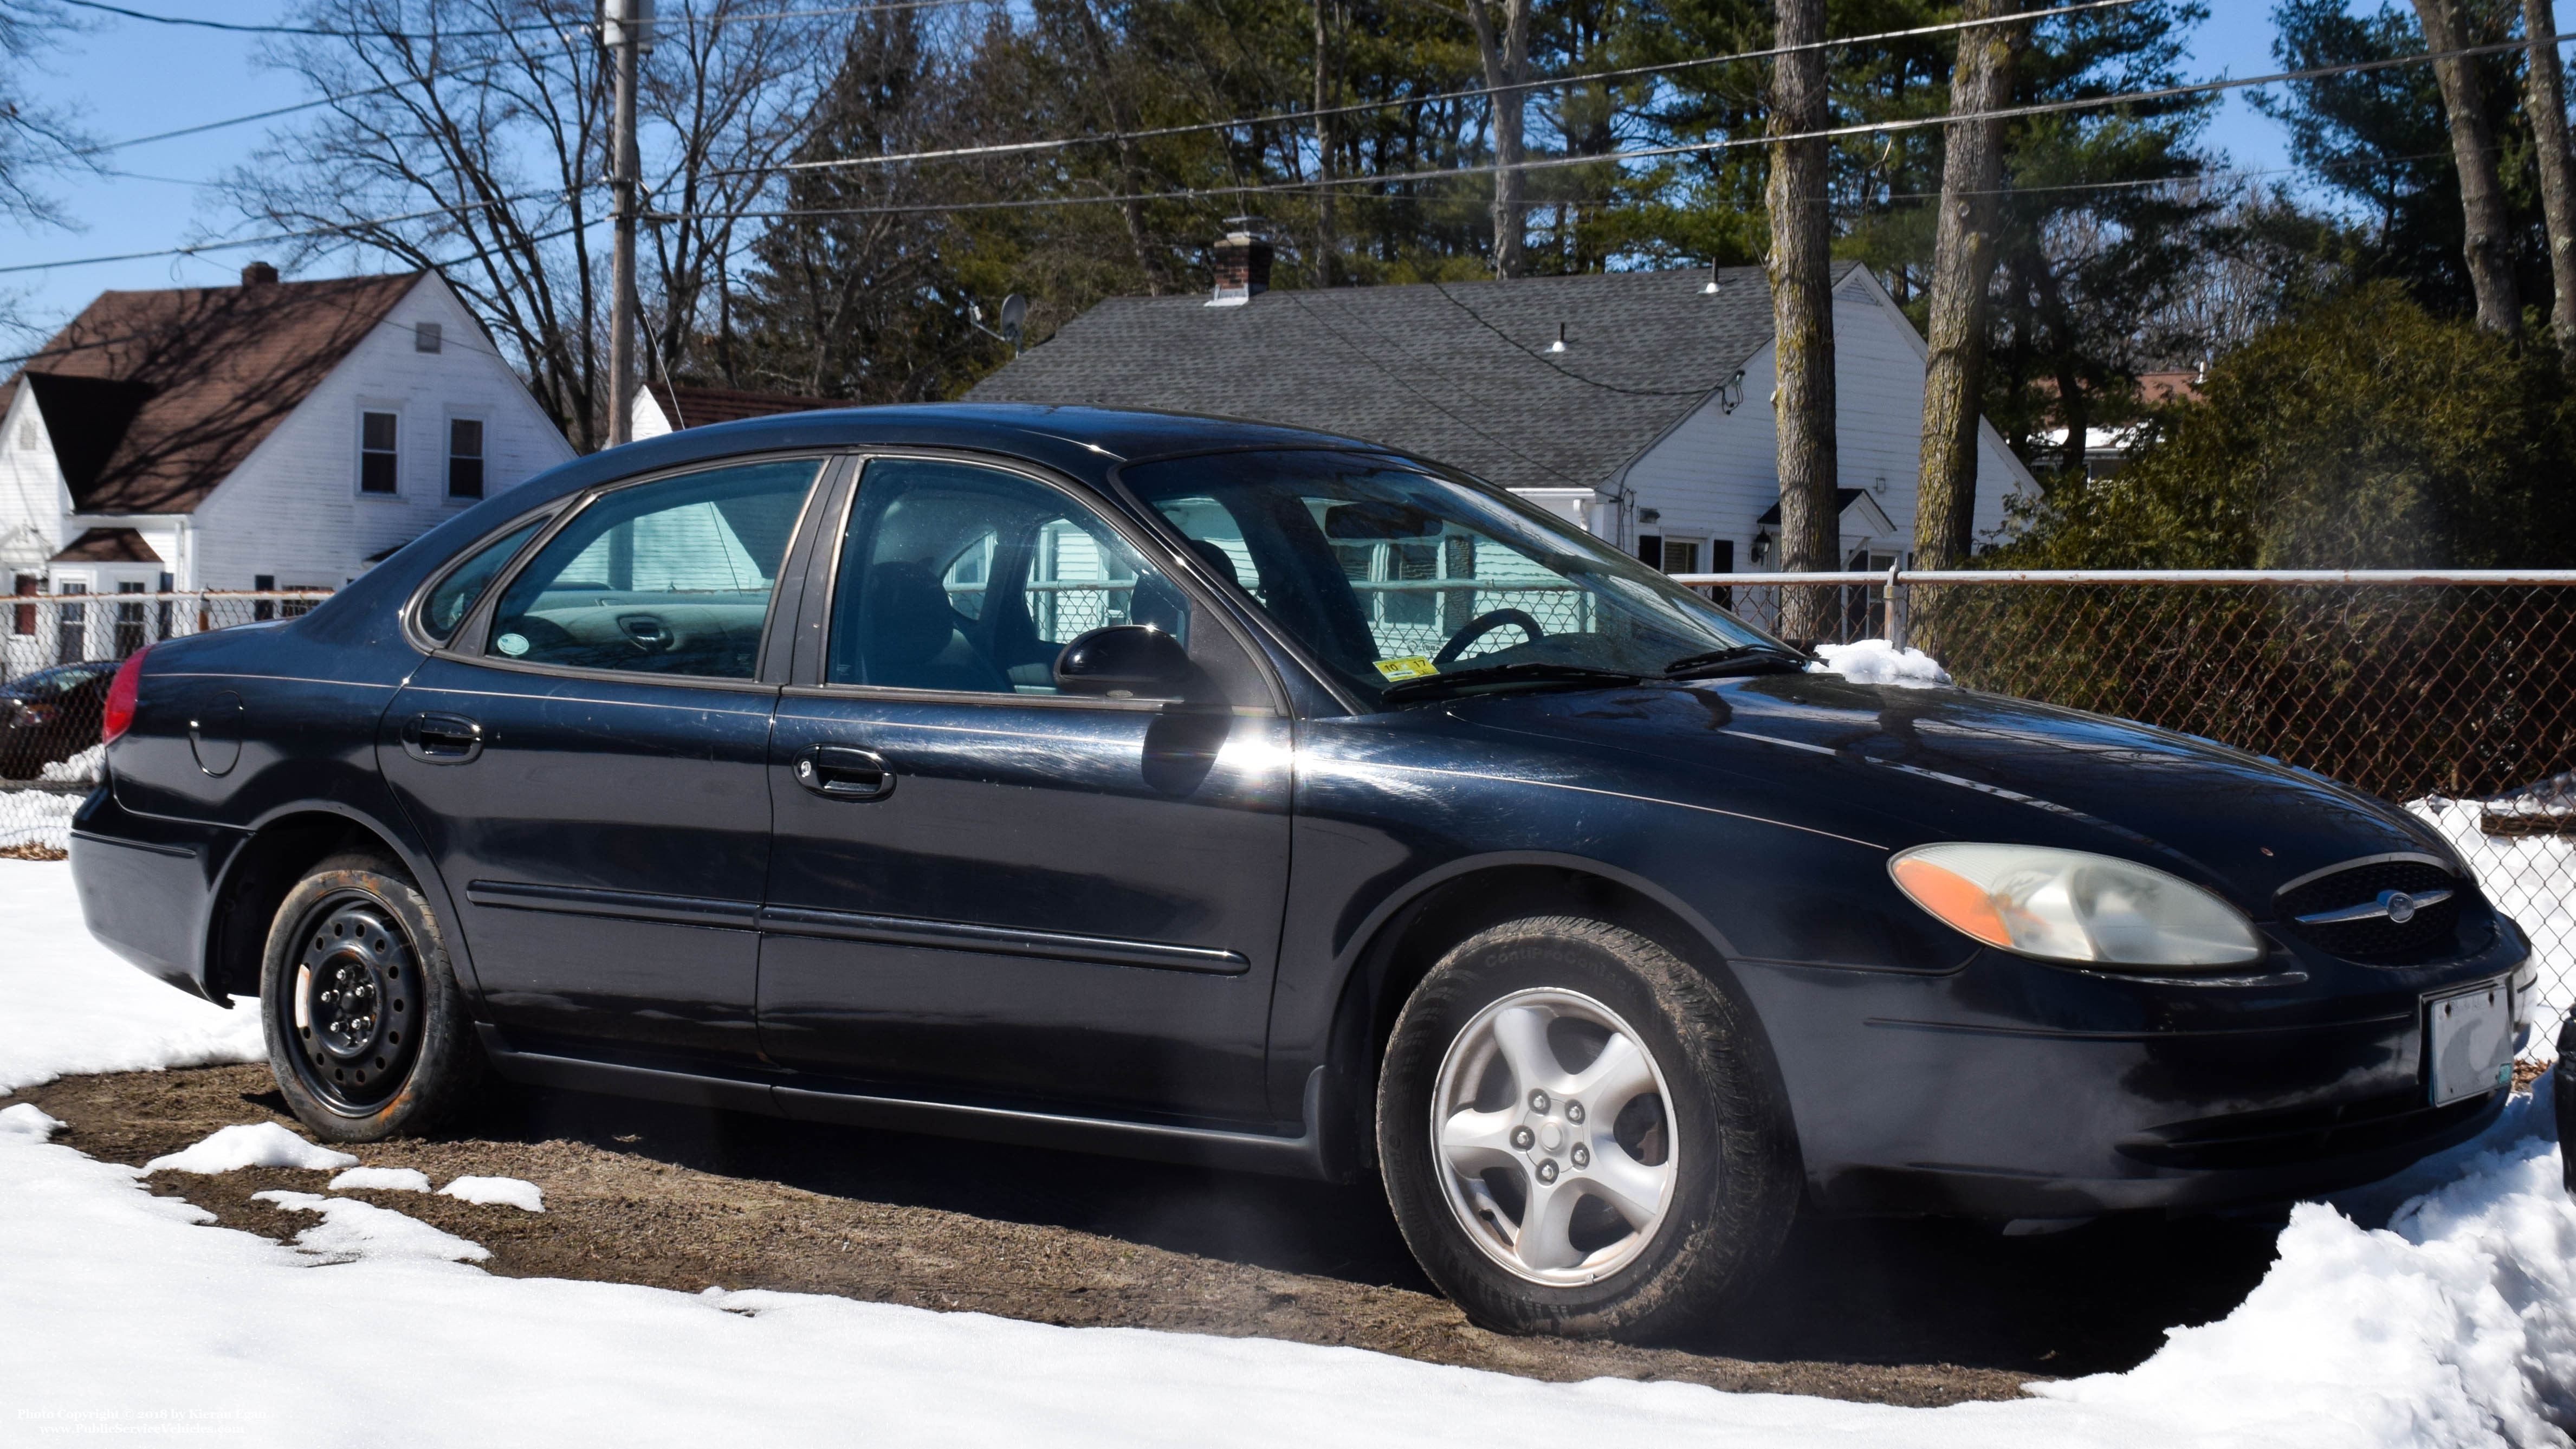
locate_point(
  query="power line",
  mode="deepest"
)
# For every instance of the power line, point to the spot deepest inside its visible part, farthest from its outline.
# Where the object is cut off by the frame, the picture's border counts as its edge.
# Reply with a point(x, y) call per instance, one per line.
point(1316, 185)
point(341, 229)
point(1008, 148)
point(326, 33)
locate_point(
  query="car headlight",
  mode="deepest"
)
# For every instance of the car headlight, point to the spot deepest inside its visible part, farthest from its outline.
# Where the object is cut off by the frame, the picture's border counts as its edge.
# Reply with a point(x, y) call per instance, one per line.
point(2069, 905)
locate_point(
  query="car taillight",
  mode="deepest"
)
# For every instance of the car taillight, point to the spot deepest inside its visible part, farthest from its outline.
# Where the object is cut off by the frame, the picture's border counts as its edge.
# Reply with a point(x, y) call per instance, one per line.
point(118, 717)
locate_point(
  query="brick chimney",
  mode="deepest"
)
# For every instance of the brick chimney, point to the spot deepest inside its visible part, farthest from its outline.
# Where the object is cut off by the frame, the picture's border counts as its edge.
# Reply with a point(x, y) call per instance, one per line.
point(1242, 258)
point(259, 274)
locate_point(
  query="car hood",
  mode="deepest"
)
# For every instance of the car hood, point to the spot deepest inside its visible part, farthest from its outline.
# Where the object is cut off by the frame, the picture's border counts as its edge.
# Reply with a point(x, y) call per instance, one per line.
point(1954, 764)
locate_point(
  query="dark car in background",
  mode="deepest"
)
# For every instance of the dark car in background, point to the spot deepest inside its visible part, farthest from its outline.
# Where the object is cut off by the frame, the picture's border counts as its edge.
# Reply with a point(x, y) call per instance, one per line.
point(1267, 799)
point(50, 715)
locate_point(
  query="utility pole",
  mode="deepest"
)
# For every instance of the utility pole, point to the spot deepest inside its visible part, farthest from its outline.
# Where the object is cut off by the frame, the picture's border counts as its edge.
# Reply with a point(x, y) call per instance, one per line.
point(625, 28)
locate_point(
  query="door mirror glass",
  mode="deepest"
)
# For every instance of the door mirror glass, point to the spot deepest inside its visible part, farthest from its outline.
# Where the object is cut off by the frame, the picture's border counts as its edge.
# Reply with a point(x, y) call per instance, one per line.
point(667, 577)
point(1124, 661)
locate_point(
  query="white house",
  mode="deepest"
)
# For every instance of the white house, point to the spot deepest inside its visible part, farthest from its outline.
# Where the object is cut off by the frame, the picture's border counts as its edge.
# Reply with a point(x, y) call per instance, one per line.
point(269, 435)
point(1638, 403)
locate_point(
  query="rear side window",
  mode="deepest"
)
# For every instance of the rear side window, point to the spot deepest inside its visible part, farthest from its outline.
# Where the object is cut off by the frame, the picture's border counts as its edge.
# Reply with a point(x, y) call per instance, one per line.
point(447, 605)
point(668, 577)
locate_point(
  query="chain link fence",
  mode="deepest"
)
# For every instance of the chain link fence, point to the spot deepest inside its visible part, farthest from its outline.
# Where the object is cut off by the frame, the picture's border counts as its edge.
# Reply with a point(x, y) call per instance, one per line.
point(58, 655)
point(2453, 695)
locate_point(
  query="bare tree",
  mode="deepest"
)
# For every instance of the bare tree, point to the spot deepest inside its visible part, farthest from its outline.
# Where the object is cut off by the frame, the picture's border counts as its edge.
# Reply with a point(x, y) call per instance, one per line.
point(2488, 249)
point(1802, 305)
point(486, 159)
point(1963, 262)
point(1503, 42)
point(2544, 98)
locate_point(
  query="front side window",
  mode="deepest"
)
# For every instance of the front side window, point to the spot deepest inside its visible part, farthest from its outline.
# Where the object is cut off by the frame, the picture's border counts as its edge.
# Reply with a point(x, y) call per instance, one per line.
point(1388, 572)
point(960, 577)
point(377, 435)
point(464, 457)
point(667, 577)
point(446, 606)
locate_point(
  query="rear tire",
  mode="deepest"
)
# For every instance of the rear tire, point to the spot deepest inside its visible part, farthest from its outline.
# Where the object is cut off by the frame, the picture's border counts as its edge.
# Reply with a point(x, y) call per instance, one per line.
point(1579, 1135)
point(368, 1035)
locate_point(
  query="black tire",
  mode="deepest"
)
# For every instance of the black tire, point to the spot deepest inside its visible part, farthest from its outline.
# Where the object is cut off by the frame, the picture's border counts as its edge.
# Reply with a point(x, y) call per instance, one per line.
point(384, 1046)
point(1734, 1179)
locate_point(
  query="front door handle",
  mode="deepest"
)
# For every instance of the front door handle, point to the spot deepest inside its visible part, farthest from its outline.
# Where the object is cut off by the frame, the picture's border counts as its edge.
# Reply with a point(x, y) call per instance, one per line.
point(841, 772)
point(442, 739)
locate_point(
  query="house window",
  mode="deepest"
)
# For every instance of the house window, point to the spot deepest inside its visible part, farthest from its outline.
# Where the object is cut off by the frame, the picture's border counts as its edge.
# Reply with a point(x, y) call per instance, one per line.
point(263, 608)
point(71, 625)
point(377, 433)
point(1681, 556)
point(424, 337)
point(23, 620)
point(129, 621)
point(27, 435)
point(464, 457)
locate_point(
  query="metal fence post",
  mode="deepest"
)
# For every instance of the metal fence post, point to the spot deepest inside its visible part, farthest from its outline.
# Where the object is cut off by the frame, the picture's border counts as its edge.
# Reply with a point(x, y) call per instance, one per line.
point(1897, 606)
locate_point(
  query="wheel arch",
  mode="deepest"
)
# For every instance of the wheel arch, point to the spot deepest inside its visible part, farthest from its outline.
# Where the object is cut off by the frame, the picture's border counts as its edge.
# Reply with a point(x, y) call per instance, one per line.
point(1406, 935)
point(282, 846)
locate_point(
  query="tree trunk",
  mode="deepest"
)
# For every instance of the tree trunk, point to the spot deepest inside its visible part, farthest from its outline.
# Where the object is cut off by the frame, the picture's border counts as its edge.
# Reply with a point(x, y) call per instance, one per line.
point(2473, 152)
point(1503, 41)
point(1323, 146)
point(1963, 262)
point(1802, 306)
point(2545, 100)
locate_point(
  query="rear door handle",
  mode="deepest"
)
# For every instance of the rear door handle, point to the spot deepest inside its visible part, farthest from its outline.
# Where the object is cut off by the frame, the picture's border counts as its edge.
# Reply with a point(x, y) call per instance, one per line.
point(841, 772)
point(442, 739)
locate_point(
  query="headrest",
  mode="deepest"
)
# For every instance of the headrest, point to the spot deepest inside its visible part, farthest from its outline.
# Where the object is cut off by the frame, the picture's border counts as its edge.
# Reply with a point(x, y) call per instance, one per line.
point(904, 616)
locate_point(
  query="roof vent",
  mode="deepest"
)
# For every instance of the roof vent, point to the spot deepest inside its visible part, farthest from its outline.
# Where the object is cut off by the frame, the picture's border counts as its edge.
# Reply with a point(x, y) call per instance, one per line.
point(1559, 344)
point(1242, 259)
point(259, 274)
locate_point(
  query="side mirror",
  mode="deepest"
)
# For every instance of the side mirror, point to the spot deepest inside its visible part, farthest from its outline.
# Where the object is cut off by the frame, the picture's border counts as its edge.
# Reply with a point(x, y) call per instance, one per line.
point(1124, 661)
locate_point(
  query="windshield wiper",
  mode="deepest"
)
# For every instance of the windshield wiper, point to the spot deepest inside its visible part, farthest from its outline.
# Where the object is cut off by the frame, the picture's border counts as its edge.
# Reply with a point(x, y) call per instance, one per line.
point(1737, 659)
point(1431, 686)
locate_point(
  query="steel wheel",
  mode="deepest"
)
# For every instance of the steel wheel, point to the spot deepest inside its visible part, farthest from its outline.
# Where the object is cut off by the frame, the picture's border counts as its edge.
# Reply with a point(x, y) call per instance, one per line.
point(1549, 1116)
point(354, 1003)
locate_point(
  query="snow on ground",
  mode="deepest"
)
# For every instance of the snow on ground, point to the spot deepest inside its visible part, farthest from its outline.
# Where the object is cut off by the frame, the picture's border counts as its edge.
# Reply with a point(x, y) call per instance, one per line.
point(36, 817)
point(2452, 1325)
point(68, 1004)
point(515, 1192)
point(382, 1179)
point(79, 769)
point(1875, 661)
point(263, 1144)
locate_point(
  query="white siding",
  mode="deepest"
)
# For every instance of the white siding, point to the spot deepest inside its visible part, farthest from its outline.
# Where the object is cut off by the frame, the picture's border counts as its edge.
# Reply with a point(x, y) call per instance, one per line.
point(1717, 472)
point(33, 499)
point(293, 510)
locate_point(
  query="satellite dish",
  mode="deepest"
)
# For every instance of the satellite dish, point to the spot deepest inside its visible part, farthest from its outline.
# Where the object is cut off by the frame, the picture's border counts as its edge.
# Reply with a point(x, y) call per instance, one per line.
point(1015, 317)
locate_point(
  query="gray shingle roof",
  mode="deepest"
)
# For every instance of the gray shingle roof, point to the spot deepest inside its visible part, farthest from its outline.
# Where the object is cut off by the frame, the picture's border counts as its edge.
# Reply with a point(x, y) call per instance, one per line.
point(1457, 371)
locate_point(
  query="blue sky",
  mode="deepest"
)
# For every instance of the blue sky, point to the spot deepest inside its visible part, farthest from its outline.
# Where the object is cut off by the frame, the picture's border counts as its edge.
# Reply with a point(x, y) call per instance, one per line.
point(131, 78)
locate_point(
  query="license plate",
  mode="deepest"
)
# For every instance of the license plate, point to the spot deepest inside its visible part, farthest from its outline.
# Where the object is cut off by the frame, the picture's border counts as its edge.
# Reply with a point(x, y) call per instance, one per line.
point(2469, 1035)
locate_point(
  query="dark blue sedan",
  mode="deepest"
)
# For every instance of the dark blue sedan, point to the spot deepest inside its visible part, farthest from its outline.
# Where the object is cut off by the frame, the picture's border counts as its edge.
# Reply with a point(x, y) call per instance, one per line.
point(1228, 793)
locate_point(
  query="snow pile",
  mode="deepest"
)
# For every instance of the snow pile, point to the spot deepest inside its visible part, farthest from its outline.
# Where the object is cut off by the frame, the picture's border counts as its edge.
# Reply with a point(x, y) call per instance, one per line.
point(1875, 661)
point(382, 1179)
point(37, 817)
point(503, 1191)
point(83, 768)
point(263, 1145)
point(30, 1121)
point(68, 1004)
point(2454, 1325)
point(2531, 878)
point(351, 1230)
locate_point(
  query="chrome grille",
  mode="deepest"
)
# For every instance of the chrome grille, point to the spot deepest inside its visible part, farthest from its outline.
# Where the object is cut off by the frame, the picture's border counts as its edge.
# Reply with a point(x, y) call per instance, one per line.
point(2432, 906)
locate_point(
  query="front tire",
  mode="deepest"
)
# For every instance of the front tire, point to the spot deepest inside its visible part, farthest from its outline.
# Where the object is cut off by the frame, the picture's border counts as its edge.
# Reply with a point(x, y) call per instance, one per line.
point(368, 1035)
point(1579, 1135)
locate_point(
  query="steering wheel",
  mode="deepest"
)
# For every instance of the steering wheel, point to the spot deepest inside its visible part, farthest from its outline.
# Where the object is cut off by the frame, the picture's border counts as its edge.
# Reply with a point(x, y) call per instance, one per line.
point(1480, 626)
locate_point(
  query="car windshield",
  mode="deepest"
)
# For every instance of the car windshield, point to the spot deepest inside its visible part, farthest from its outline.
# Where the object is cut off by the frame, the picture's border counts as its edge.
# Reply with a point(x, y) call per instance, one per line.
point(1389, 572)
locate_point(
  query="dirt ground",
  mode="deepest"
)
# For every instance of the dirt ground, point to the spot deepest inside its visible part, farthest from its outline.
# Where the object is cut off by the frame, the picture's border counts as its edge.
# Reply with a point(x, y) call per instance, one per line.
point(1899, 1313)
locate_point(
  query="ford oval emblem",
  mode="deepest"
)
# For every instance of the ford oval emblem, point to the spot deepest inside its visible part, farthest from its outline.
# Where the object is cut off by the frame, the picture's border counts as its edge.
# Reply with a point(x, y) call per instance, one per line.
point(2401, 908)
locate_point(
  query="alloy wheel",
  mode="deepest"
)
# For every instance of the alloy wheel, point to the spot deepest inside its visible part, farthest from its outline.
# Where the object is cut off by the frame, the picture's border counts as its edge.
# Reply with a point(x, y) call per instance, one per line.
point(1551, 1129)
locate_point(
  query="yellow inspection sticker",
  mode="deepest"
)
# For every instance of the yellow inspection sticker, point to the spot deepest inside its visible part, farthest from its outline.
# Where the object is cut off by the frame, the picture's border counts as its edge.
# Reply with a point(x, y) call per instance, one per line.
point(1411, 666)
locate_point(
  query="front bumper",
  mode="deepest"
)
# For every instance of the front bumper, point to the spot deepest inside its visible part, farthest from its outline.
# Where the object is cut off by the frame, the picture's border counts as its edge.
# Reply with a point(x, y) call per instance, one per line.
point(2009, 1089)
